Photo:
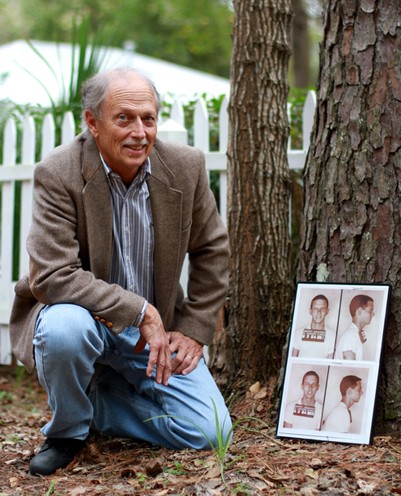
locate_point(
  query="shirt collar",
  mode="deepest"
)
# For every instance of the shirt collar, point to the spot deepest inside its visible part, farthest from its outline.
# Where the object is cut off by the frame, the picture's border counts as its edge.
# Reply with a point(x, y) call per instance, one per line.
point(143, 172)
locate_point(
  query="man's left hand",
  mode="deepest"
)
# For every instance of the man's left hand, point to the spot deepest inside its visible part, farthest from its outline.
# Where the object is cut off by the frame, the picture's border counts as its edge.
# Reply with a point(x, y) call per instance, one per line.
point(188, 353)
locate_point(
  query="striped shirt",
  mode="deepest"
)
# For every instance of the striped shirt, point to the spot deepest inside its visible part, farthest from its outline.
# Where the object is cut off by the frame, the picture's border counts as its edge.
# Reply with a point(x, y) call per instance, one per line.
point(133, 241)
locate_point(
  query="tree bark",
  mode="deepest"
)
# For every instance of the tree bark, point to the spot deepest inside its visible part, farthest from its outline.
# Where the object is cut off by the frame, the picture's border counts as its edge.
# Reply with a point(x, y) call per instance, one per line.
point(351, 220)
point(300, 45)
point(258, 198)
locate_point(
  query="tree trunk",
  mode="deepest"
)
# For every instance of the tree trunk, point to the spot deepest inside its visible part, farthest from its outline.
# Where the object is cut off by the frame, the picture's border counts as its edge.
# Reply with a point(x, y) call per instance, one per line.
point(258, 198)
point(351, 226)
point(300, 45)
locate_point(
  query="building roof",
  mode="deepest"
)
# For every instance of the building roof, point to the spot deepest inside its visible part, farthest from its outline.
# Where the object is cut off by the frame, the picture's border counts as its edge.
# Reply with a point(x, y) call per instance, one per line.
point(22, 65)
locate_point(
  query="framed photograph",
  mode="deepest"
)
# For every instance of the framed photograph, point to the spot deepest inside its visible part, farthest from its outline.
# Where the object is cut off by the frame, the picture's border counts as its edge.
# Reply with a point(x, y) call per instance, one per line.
point(333, 361)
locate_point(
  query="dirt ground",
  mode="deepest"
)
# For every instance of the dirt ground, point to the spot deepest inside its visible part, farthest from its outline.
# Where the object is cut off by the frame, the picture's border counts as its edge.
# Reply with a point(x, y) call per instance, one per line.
point(257, 463)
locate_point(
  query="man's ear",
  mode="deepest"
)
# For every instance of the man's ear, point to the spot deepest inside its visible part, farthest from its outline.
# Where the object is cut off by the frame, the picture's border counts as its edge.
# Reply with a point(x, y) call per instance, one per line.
point(91, 122)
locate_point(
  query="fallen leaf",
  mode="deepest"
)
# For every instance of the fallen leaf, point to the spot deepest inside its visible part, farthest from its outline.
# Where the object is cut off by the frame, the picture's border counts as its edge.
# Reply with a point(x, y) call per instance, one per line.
point(308, 491)
point(255, 388)
point(311, 473)
point(260, 395)
point(366, 487)
point(13, 481)
point(316, 463)
point(213, 473)
point(76, 491)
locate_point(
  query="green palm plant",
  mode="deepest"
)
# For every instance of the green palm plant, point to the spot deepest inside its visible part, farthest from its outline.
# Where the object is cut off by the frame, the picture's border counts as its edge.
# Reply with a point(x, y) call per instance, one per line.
point(87, 56)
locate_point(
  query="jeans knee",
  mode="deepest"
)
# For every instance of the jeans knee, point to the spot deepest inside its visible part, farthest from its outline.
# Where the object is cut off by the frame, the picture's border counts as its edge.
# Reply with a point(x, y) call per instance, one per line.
point(66, 331)
point(205, 434)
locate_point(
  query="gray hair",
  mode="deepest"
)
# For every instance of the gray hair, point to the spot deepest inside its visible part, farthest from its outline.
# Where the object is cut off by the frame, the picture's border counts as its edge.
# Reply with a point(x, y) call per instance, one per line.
point(94, 90)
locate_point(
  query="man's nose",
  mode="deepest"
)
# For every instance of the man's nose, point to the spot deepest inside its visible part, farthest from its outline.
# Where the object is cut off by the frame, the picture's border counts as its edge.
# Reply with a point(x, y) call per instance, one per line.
point(137, 128)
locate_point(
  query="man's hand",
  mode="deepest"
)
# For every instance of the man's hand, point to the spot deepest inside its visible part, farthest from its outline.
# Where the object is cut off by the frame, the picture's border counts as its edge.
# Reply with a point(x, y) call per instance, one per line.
point(188, 352)
point(152, 332)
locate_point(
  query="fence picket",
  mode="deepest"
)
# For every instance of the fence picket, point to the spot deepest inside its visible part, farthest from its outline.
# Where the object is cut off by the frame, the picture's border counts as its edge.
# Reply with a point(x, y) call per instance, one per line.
point(48, 135)
point(28, 141)
point(68, 131)
point(6, 240)
point(177, 113)
point(223, 125)
point(10, 143)
point(171, 130)
point(307, 118)
point(201, 126)
point(28, 158)
point(7, 229)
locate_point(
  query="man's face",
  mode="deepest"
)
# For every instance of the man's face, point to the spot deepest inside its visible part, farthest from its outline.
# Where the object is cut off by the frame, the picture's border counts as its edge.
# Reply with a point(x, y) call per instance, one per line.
point(309, 386)
point(318, 310)
point(356, 392)
point(126, 131)
point(366, 314)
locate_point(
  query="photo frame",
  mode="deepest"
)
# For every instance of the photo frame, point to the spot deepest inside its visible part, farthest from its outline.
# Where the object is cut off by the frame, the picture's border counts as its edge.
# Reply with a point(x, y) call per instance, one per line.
point(333, 361)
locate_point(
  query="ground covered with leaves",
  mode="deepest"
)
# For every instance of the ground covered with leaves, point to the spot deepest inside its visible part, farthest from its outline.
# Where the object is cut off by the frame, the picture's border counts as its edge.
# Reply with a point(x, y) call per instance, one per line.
point(257, 463)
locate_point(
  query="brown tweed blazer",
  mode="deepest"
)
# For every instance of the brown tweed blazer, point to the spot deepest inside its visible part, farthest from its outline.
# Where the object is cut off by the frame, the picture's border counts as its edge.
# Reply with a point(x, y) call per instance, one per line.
point(69, 244)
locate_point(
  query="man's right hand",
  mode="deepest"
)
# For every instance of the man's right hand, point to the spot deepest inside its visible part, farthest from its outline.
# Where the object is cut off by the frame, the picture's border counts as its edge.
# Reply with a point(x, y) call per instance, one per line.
point(152, 332)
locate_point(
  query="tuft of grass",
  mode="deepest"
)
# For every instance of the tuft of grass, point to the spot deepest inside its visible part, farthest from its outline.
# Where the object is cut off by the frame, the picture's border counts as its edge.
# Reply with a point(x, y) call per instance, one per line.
point(220, 449)
point(6, 397)
point(177, 470)
point(15, 438)
point(51, 489)
point(141, 477)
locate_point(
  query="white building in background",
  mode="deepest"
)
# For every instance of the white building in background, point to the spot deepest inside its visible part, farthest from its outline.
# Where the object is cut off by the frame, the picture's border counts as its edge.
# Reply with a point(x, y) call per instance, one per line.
point(22, 65)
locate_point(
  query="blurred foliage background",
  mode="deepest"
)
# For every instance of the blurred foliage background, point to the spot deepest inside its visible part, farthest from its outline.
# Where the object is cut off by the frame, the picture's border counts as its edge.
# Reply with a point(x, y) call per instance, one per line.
point(193, 33)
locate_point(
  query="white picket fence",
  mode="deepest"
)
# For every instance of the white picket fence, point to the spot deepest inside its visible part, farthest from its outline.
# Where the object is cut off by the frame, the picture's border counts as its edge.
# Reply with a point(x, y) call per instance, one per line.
point(13, 171)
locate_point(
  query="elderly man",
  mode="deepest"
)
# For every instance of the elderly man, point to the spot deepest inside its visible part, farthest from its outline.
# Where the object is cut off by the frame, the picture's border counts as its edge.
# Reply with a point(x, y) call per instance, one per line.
point(115, 342)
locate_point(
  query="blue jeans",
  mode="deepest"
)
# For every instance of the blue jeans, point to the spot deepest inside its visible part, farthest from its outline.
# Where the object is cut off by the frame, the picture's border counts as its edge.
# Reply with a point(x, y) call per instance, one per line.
point(119, 398)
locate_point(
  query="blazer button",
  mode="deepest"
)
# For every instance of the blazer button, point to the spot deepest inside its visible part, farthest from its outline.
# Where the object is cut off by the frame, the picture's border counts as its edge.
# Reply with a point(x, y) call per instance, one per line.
point(97, 317)
point(109, 325)
point(103, 321)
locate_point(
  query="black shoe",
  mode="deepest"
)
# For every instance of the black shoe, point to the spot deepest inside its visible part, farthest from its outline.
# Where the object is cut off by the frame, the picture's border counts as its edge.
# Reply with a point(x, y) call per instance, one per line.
point(54, 454)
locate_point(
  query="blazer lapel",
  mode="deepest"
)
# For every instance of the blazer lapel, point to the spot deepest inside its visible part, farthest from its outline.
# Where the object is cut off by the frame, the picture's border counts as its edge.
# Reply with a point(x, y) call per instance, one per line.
point(166, 204)
point(98, 210)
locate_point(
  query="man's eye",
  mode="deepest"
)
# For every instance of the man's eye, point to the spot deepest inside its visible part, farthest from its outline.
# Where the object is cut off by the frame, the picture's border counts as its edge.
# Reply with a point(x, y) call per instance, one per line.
point(122, 118)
